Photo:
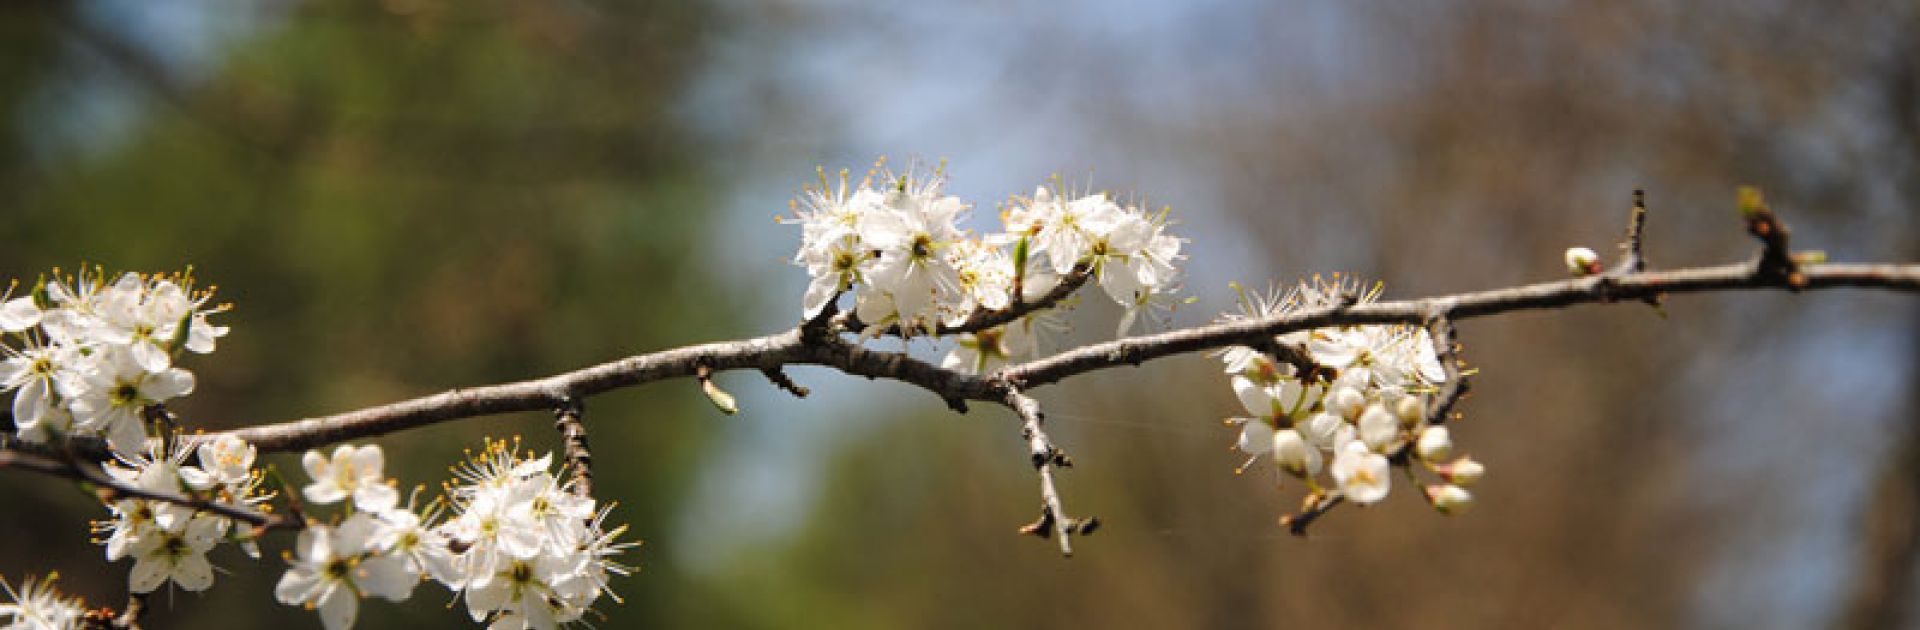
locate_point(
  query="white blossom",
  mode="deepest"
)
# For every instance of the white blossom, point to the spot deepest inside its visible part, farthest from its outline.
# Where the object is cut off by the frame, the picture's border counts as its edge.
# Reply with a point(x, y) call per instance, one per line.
point(1435, 444)
point(354, 472)
point(336, 566)
point(36, 605)
point(1363, 475)
point(176, 555)
point(535, 554)
point(911, 229)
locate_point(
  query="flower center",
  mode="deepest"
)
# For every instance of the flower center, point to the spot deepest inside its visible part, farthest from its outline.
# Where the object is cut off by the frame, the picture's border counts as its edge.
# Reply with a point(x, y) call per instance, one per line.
point(125, 394)
point(1365, 477)
point(337, 569)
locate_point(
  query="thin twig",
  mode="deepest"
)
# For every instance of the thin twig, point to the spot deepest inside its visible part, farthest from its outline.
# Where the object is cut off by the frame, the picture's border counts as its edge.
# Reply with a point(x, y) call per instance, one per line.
point(17, 456)
point(1045, 458)
point(1446, 345)
point(1317, 506)
point(573, 438)
point(1635, 260)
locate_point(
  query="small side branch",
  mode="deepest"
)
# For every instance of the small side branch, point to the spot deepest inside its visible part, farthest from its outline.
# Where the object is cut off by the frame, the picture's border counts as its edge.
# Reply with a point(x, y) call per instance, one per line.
point(110, 489)
point(1446, 344)
point(1634, 259)
point(1045, 458)
point(573, 436)
point(1317, 506)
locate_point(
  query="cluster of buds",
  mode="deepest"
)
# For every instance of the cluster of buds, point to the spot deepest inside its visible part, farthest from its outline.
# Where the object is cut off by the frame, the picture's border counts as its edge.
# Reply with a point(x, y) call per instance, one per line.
point(90, 357)
point(1343, 404)
point(169, 541)
point(519, 546)
point(898, 249)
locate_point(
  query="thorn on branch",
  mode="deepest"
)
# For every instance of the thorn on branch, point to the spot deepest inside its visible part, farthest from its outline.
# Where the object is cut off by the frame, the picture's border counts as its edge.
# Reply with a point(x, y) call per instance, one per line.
point(1045, 526)
point(1777, 263)
point(781, 380)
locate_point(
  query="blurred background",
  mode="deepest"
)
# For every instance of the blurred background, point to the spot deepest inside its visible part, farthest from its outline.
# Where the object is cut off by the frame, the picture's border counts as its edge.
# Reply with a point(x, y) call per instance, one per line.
point(406, 196)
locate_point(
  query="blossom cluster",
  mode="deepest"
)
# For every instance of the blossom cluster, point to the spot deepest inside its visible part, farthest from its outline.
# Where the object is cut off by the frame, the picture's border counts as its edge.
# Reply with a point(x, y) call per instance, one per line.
point(169, 541)
point(519, 545)
point(36, 605)
point(1357, 402)
point(89, 357)
point(898, 249)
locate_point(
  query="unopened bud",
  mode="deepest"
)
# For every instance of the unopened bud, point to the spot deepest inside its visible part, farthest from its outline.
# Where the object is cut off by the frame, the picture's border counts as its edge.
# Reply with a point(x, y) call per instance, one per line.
point(1464, 471)
point(1582, 262)
point(1346, 402)
point(1434, 444)
point(1449, 499)
point(719, 397)
point(1411, 409)
point(1294, 455)
point(1752, 203)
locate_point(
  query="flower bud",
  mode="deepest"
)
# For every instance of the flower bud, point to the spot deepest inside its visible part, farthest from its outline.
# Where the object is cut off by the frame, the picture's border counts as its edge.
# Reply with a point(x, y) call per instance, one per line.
point(1752, 203)
point(1582, 261)
point(1434, 445)
point(1294, 455)
point(719, 397)
point(1411, 410)
point(1449, 499)
point(1464, 471)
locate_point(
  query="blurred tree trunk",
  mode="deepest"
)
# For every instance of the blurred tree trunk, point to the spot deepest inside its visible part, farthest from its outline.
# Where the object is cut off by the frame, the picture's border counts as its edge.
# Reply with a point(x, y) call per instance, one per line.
point(1890, 542)
point(1891, 539)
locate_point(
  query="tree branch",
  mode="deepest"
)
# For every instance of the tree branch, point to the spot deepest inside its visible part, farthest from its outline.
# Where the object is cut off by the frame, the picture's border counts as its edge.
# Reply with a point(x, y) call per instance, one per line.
point(794, 348)
point(1545, 295)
